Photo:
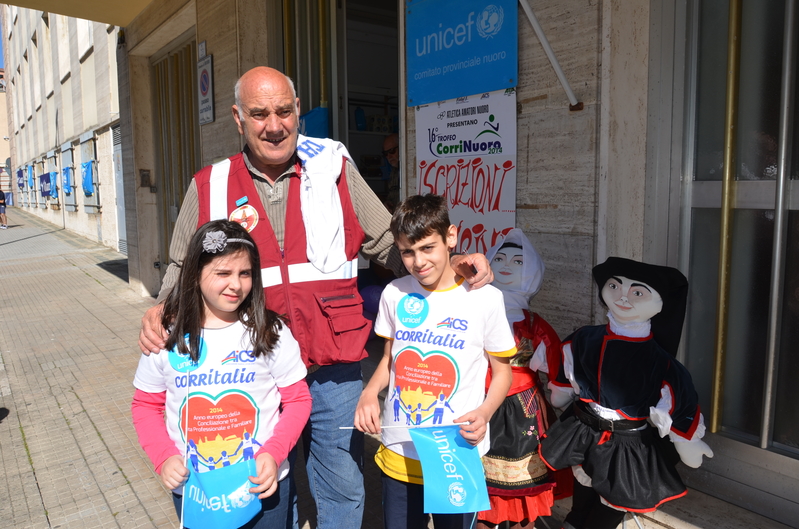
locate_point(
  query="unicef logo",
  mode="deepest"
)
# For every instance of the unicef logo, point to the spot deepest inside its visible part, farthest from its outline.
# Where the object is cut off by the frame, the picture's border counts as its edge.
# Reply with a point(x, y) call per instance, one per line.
point(456, 494)
point(184, 363)
point(489, 21)
point(412, 310)
point(241, 497)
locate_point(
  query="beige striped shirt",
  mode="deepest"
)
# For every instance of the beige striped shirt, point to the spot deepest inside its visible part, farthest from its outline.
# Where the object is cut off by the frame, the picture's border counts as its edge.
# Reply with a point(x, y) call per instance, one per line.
point(373, 217)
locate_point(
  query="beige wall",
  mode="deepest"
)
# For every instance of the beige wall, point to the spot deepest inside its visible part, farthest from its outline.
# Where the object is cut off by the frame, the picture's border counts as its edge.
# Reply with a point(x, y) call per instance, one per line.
point(64, 89)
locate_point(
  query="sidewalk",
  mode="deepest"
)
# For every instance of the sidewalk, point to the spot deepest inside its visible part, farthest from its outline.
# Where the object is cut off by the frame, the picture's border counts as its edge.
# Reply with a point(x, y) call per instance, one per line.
point(68, 452)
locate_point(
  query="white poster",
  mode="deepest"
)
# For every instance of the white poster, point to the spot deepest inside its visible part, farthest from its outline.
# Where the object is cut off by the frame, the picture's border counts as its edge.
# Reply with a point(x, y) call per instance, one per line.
point(466, 151)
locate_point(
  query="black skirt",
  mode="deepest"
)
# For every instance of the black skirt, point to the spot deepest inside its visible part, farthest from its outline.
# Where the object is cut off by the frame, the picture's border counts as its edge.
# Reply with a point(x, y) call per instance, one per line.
point(633, 470)
point(512, 465)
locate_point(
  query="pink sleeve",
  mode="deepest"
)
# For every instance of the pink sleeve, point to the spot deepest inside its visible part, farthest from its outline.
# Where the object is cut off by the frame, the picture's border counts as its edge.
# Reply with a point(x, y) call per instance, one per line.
point(148, 420)
point(296, 402)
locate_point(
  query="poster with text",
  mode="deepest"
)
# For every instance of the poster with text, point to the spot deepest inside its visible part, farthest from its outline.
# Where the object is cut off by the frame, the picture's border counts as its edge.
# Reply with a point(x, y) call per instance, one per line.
point(466, 151)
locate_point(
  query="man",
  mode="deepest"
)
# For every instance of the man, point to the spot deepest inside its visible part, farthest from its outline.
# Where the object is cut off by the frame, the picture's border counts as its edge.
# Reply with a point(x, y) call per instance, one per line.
point(391, 152)
point(263, 190)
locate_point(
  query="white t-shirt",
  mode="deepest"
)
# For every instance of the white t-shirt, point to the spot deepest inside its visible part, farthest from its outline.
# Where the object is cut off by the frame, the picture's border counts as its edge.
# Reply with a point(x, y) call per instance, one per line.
point(233, 403)
point(439, 365)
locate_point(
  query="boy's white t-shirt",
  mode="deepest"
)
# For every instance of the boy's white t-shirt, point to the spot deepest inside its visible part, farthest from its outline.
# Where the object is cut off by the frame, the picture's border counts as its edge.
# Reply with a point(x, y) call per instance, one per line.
point(231, 392)
point(439, 365)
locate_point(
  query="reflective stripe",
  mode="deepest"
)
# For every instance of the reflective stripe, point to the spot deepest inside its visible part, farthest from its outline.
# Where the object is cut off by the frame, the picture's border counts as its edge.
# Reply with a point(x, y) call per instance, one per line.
point(303, 272)
point(217, 189)
point(271, 276)
point(299, 273)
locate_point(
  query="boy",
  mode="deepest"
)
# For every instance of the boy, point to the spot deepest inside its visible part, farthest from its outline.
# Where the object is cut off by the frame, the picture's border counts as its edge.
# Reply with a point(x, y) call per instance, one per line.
point(438, 331)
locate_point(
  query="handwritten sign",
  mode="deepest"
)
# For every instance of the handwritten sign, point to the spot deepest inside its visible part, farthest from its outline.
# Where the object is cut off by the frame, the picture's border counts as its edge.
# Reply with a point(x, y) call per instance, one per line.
point(466, 151)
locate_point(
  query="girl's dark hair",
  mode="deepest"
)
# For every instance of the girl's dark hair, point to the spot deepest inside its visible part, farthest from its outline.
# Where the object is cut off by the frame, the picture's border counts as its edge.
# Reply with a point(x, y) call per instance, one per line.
point(184, 310)
point(419, 216)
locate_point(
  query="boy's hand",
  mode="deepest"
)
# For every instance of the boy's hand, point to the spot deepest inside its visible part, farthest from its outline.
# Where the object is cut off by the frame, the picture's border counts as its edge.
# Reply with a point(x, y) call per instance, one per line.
point(367, 414)
point(152, 336)
point(173, 472)
point(475, 431)
point(474, 267)
point(266, 480)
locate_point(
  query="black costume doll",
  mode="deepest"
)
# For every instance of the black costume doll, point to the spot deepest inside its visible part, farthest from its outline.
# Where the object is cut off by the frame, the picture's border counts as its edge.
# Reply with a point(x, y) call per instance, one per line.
point(636, 413)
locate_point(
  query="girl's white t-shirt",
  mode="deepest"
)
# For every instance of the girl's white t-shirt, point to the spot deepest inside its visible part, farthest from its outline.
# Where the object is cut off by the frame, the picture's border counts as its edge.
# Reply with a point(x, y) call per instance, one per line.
point(233, 397)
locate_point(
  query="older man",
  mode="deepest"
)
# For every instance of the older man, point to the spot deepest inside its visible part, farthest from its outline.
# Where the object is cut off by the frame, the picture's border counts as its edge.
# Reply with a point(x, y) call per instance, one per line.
point(310, 213)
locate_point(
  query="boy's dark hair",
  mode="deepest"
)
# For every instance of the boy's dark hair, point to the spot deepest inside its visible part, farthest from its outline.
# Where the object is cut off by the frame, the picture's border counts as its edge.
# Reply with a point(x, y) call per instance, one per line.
point(419, 216)
point(184, 309)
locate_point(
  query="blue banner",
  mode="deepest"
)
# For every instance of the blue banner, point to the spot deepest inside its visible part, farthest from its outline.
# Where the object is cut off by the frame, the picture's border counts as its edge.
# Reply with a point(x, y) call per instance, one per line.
point(30, 177)
point(314, 123)
point(20, 178)
point(453, 473)
point(45, 187)
point(87, 181)
point(67, 172)
point(220, 497)
point(457, 48)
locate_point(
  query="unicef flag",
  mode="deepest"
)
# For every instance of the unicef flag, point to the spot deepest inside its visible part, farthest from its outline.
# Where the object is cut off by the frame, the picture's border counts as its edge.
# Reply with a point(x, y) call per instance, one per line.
point(220, 497)
point(87, 178)
point(453, 473)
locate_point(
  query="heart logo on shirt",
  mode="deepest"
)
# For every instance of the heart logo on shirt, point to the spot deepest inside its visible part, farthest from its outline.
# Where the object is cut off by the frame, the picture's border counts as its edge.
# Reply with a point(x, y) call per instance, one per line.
point(217, 425)
point(423, 385)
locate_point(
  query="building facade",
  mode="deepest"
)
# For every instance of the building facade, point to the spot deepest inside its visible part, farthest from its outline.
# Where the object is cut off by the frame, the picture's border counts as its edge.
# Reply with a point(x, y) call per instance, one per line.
point(63, 115)
point(636, 172)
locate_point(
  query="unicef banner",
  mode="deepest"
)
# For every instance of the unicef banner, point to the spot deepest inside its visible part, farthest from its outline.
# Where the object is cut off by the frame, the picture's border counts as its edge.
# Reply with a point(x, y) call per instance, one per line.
point(453, 473)
point(458, 47)
point(466, 151)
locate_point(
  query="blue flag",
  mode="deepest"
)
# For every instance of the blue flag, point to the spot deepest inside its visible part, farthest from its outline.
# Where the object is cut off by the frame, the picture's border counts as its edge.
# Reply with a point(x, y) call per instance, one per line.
point(67, 171)
point(87, 180)
point(220, 497)
point(453, 473)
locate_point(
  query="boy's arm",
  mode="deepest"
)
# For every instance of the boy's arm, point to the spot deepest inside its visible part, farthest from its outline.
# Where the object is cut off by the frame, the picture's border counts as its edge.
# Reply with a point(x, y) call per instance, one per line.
point(501, 378)
point(367, 413)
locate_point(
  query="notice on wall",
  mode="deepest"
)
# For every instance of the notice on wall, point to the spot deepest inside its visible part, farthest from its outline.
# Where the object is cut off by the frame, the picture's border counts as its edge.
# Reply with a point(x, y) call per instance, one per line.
point(466, 151)
point(205, 89)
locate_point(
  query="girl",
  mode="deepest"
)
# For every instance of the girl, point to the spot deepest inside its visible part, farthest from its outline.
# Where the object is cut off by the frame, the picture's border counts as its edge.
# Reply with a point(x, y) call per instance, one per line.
point(519, 485)
point(230, 375)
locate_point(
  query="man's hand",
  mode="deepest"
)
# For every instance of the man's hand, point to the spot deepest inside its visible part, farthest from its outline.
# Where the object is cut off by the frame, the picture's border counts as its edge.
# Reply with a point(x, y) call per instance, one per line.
point(152, 337)
point(474, 267)
point(266, 480)
point(174, 472)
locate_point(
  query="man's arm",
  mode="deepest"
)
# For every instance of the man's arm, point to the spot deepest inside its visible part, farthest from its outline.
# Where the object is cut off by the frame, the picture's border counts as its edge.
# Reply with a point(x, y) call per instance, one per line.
point(379, 245)
point(152, 336)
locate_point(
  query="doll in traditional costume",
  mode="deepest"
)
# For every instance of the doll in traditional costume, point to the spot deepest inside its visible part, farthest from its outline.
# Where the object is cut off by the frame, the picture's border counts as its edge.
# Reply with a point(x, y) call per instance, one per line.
point(636, 413)
point(519, 484)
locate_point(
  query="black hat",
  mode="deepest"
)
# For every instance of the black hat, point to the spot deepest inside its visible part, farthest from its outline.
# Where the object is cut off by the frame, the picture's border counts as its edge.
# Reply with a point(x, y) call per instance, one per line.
point(669, 282)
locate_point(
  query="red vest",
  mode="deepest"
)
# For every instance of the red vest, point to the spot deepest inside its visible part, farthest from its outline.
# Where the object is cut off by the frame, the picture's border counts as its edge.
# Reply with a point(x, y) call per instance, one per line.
point(324, 310)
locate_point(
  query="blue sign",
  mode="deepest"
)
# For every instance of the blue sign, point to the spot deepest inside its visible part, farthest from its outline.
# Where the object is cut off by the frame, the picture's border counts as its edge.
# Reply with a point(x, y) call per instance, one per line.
point(46, 187)
point(458, 48)
point(453, 473)
point(315, 123)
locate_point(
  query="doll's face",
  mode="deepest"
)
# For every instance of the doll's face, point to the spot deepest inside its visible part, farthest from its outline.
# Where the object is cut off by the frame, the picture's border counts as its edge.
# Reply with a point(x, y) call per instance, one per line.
point(507, 266)
point(631, 301)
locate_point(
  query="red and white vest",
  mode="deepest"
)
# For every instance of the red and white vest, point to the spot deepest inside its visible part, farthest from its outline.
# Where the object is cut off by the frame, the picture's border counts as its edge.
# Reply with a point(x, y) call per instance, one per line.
point(324, 310)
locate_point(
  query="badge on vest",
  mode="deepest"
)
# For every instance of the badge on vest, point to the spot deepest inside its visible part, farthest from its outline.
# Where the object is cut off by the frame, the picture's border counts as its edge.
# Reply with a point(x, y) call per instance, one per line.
point(246, 216)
